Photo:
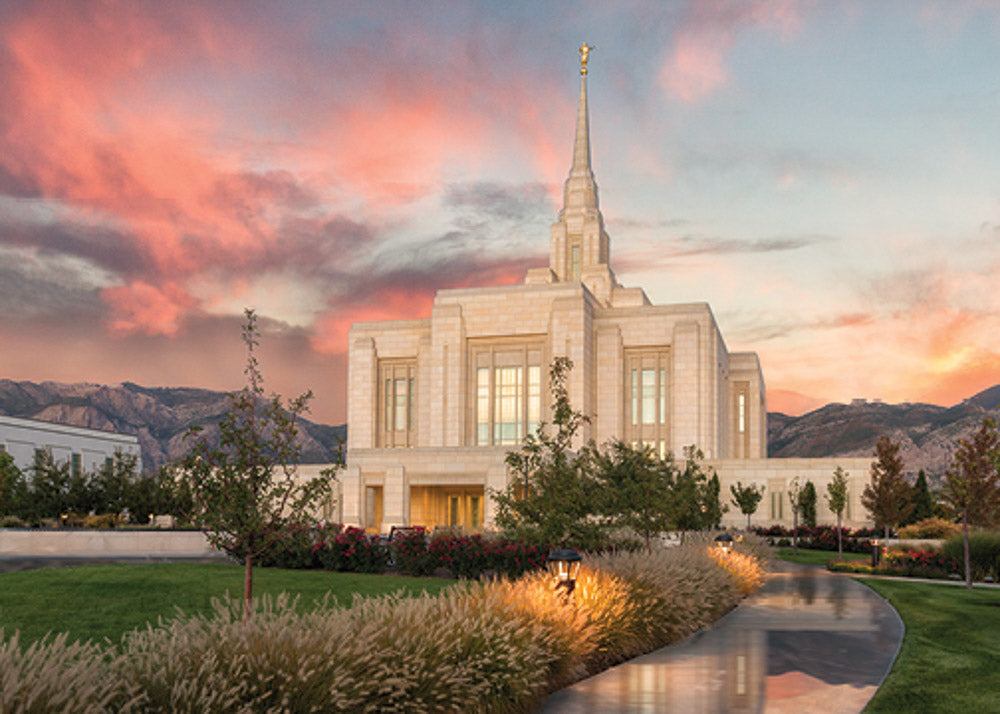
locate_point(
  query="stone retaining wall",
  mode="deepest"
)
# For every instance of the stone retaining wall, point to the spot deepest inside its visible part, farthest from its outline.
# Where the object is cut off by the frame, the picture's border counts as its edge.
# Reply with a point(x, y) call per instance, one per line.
point(16, 542)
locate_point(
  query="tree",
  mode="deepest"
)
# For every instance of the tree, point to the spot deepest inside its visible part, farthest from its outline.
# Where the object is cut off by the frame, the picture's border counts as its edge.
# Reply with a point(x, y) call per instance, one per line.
point(692, 499)
point(12, 486)
point(921, 498)
point(836, 497)
point(887, 496)
point(50, 483)
point(245, 491)
point(972, 483)
point(551, 497)
point(636, 488)
point(795, 500)
point(712, 508)
point(807, 502)
point(746, 498)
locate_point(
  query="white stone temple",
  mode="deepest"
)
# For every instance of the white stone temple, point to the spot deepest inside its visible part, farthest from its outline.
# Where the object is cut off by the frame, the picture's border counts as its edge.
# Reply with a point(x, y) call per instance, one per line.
point(435, 403)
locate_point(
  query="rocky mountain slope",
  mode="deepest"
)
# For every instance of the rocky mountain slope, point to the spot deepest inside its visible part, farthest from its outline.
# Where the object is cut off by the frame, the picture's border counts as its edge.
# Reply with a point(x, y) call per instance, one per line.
point(928, 433)
point(159, 416)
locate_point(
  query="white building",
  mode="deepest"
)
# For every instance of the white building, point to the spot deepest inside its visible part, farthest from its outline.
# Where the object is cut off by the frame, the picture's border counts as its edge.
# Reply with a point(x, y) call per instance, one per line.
point(84, 449)
point(435, 403)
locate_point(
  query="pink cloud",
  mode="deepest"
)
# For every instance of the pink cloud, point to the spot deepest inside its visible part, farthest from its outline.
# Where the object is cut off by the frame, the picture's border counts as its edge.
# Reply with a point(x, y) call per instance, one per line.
point(145, 308)
point(696, 65)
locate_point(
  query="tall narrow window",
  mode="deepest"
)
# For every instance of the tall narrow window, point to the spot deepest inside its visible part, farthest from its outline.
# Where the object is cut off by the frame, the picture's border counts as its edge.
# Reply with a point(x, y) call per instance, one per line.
point(740, 422)
point(647, 398)
point(398, 399)
point(574, 262)
point(76, 464)
point(508, 392)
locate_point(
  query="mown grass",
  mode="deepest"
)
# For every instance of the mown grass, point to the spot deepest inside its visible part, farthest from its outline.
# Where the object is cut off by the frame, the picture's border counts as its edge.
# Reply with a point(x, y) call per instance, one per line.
point(105, 601)
point(950, 660)
point(816, 557)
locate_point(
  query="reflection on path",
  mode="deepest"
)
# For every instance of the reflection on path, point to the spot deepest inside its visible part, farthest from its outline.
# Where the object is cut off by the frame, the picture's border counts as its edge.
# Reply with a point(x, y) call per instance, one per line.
point(808, 641)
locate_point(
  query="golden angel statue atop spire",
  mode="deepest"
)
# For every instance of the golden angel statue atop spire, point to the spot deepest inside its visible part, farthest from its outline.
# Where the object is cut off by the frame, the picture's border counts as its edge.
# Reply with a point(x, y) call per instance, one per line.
point(585, 51)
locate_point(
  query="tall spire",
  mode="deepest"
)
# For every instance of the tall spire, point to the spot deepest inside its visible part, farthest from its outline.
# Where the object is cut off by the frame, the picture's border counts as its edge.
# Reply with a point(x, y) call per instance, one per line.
point(581, 188)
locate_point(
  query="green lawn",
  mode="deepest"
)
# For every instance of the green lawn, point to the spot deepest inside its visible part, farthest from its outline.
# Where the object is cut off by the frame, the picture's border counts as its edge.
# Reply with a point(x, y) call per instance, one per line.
point(816, 557)
point(98, 601)
point(950, 659)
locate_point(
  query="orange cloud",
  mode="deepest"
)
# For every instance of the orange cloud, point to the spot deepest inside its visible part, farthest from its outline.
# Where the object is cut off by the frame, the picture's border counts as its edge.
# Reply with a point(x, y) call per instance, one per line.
point(145, 308)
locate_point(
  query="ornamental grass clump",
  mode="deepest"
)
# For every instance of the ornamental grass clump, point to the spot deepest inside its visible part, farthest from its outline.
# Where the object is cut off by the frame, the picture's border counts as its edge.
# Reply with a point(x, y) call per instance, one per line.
point(501, 645)
point(54, 675)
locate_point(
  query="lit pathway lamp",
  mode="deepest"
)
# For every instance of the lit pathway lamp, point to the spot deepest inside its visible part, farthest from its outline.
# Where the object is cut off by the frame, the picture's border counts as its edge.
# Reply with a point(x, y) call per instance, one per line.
point(876, 551)
point(724, 542)
point(564, 564)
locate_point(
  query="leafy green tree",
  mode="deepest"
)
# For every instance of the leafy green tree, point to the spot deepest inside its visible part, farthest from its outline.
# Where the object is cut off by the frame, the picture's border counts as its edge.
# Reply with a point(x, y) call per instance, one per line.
point(887, 496)
point(972, 483)
point(551, 496)
point(746, 498)
point(922, 500)
point(635, 487)
point(50, 483)
point(12, 486)
point(836, 497)
point(807, 503)
point(113, 481)
point(712, 507)
point(691, 498)
point(245, 492)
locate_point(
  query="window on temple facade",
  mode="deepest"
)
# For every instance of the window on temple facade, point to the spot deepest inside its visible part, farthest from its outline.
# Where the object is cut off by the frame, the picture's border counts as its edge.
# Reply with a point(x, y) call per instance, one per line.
point(741, 420)
point(397, 398)
point(647, 398)
point(506, 392)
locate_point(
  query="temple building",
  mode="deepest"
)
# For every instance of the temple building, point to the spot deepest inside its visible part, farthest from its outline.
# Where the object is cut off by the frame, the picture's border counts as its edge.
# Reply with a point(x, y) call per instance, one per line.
point(435, 403)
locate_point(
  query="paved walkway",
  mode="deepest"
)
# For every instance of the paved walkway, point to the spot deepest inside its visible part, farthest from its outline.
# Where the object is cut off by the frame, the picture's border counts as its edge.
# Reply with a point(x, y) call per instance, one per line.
point(808, 641)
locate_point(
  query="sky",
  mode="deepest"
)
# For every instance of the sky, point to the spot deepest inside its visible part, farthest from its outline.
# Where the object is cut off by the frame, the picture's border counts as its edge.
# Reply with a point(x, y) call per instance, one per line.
point(825, 174)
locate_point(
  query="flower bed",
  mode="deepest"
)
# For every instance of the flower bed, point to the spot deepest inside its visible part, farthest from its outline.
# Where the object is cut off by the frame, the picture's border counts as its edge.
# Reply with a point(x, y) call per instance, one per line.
point(909, 563)
point(821, 537)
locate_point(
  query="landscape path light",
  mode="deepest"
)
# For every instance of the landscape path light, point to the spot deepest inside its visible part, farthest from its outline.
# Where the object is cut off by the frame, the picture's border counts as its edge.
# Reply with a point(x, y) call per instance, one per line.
point(724, 542)
point(876, 551)
point(564, 564)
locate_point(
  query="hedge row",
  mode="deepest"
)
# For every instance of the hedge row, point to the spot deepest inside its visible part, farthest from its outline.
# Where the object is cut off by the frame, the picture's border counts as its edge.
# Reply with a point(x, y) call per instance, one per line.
point(821, 537)
point(502, 645)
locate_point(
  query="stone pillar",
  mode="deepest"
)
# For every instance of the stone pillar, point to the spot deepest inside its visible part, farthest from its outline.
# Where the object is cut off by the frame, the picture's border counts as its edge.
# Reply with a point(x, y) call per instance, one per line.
point(496, 479)
point(395, 499)
point(352, 501)
point(685, 387)
point(361, 380)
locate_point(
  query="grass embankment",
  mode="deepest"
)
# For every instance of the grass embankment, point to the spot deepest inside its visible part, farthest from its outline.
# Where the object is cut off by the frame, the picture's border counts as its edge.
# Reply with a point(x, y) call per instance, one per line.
point(949, 661)
point(816, 557)
point(98, 601)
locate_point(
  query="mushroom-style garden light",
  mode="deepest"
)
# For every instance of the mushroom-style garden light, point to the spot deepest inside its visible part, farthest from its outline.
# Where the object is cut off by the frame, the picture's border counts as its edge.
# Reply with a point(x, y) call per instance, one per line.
point(564, 564)
point(724, 542)
point(876, 551)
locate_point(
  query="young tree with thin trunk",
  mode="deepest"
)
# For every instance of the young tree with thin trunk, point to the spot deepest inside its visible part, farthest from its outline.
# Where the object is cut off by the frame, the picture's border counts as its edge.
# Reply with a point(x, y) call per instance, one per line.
point(795, 499)
point(887, 495)
point(836, 497)
point(972, 484)
point(244, 492)
point(746, 498)
point(807, 501)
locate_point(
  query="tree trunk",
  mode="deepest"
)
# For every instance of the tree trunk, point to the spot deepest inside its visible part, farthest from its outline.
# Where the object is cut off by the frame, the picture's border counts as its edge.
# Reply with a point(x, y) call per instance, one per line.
point(965, 538)
point(795, 531)
point(840, 539)
point(748, 522)
point(247, 586)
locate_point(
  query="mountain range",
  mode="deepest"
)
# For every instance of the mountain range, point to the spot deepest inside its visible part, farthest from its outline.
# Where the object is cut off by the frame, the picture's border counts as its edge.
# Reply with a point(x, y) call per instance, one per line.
point(160, 416)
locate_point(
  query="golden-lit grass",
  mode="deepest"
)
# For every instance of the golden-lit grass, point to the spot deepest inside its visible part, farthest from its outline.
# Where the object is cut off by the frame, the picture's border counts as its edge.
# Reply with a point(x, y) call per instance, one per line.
point(502, 645)
point(744, 569)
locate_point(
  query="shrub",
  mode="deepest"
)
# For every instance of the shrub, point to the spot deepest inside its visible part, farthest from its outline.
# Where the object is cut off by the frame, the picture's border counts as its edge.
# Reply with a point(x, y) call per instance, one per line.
point(409, 552)
point(353, 550)
point(984, 553)
point(102, 521)
point(11, 522)
point(930, 528)
point(915, 563)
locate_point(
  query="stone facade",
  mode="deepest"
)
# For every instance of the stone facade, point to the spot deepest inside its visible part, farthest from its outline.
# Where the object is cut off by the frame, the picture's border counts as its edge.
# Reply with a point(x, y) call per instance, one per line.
point(435, 403)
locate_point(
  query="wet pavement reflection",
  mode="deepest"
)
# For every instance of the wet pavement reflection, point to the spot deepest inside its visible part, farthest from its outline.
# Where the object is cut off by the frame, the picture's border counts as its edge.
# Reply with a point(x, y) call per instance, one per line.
point(808, 641)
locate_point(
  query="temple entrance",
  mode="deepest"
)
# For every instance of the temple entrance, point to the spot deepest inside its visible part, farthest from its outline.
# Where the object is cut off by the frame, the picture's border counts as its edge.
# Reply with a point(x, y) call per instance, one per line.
point(373, 509)
point(458, 507)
